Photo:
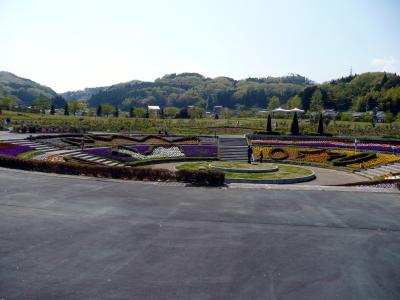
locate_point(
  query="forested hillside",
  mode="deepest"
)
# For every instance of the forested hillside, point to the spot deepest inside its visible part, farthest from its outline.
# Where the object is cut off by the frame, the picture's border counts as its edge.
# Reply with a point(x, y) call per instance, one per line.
point(194, 89)
point(22, 90)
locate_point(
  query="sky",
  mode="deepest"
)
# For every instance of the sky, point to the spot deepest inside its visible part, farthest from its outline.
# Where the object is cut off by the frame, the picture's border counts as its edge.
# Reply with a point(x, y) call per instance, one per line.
point(73, 44)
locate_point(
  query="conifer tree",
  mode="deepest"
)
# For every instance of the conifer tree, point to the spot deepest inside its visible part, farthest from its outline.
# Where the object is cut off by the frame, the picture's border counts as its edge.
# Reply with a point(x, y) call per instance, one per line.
point(66, 110)
point(294, 129)
point(321, 125)
point(269, 123)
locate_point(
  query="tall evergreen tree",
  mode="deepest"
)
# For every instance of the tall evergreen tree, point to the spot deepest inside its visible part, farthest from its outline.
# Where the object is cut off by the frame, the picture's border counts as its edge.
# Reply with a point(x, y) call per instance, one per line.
point(269, 123)
point(52, 109)
point(131, 113)
point(294, 129)
point(99, 111)
point(116, 113)
point(321, 125)
point(66, 109)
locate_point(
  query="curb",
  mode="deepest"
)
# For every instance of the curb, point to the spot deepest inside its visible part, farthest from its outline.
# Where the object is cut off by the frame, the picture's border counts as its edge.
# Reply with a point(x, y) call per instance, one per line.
point(273, 181)
point(270, 170)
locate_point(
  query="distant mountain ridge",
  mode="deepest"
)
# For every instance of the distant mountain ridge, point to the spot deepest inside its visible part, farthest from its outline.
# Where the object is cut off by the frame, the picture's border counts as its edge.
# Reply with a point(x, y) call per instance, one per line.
point(23, 90)
point(366, 91)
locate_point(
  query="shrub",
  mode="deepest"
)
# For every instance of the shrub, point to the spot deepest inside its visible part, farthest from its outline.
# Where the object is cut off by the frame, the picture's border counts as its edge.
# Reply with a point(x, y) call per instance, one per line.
point(201, 177)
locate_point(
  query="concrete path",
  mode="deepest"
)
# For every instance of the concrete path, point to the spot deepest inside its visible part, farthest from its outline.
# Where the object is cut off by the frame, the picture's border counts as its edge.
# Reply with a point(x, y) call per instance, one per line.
point(69, 238)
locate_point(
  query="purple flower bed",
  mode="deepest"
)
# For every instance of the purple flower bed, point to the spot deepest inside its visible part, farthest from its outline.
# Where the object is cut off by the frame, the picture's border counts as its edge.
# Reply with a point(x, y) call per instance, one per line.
point(199, 150)
point(333, 144)
point(142, 149)
point(13, 150)
point(106, 153)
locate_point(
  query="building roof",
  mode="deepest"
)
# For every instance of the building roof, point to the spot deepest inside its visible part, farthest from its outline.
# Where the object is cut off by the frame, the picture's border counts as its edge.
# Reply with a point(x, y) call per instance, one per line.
point(154, 107)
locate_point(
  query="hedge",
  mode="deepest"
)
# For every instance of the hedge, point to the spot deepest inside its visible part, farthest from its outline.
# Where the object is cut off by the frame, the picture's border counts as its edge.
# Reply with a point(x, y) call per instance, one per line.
point(354, 159)
point(207, 177)
point(201, 177)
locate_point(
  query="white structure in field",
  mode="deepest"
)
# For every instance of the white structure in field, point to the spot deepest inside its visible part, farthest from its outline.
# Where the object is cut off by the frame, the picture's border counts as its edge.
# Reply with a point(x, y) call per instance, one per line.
point(154, 110)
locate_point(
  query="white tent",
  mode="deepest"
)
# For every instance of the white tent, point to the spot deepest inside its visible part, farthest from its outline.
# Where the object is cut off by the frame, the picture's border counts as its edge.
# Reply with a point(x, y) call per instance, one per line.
point(297, 110)
point(280, 109)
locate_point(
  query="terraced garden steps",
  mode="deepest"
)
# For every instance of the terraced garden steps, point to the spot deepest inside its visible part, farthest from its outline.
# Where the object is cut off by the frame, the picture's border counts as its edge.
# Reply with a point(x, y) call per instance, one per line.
point(34, 145)
point(80, 155)
point(233, 148)
point(381, 170)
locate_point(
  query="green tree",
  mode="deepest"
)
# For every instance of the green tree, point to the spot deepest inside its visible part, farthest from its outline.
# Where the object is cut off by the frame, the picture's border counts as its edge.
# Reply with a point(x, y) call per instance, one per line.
point(198, 112)
point(321, 125)
point(316, 104)
point(227, 113)
point(76, 106)
point(140, 112)
point(294, 102)
point(41, 103)
point(52, 109)
point(66, 109)
point(107, 109)
point(7, 103)
point(99, 111)
point(116, 112)
point(294, 128)
point(171, 111)
point(183, 114)
point(274, 103)
point(269, 123)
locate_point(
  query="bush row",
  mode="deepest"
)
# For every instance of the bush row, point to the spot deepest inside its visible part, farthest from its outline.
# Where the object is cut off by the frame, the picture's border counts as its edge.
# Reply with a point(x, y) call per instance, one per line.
point(206, 177)
point(201, 177)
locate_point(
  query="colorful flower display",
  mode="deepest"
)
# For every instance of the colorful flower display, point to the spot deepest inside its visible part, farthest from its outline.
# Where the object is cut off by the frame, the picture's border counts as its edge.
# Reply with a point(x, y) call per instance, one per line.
point(300, 154)
point(199, 150)
point(329, 144)
point(106, 152)
point(12, 149)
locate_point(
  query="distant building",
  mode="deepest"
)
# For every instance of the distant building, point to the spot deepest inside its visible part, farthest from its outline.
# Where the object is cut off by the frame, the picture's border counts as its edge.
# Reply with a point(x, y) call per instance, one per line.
point(356, 116)
point(380, 116)
point(218, 110)
point(330, 114)
point(154, 110)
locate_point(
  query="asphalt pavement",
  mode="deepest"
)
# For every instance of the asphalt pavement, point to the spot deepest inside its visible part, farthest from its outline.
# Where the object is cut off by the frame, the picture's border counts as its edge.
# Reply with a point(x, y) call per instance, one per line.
point(73, 238)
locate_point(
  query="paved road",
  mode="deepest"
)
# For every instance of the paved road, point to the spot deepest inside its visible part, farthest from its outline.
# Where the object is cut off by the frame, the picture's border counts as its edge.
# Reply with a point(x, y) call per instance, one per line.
point(63, 238)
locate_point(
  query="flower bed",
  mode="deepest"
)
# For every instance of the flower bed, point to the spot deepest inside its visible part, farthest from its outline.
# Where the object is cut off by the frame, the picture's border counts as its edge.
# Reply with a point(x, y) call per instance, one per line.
point(324, 156)
point(329, 144)
point(107, 152)
point(199, 150)
point(12, 149)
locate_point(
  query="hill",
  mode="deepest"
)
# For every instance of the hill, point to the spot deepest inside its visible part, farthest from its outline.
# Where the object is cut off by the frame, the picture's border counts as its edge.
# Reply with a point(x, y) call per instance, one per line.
point(185, 89)
point(82, 95)
point(23, 90)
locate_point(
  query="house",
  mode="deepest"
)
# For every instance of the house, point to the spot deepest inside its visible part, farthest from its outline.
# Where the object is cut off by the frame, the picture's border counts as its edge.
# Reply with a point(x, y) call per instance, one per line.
point(154, 110)
point(330, 114)
point(357, 116)
point(380, 116)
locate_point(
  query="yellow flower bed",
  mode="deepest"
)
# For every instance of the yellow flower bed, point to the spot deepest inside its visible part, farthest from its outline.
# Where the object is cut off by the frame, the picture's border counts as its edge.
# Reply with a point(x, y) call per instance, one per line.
point(379, 160)
point(323, 157)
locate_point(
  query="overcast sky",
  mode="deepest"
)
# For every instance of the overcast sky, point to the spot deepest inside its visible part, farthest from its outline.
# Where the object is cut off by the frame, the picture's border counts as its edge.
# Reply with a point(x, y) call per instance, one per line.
point(72, 44)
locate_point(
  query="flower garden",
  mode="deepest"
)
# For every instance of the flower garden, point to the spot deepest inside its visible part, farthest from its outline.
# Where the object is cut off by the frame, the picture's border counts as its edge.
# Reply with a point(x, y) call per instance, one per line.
point(138, 150)
point(336, 153)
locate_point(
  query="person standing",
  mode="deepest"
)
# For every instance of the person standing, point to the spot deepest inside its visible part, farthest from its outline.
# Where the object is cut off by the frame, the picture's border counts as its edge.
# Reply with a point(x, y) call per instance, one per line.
point(249, 154)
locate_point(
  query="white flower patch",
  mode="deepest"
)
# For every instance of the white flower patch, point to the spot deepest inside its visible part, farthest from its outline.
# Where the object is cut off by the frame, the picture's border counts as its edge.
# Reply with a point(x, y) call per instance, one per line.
point(159, 152)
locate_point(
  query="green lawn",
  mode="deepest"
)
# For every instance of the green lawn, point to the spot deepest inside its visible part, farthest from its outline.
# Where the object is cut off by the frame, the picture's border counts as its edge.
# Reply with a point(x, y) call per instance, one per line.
point(285, 171)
